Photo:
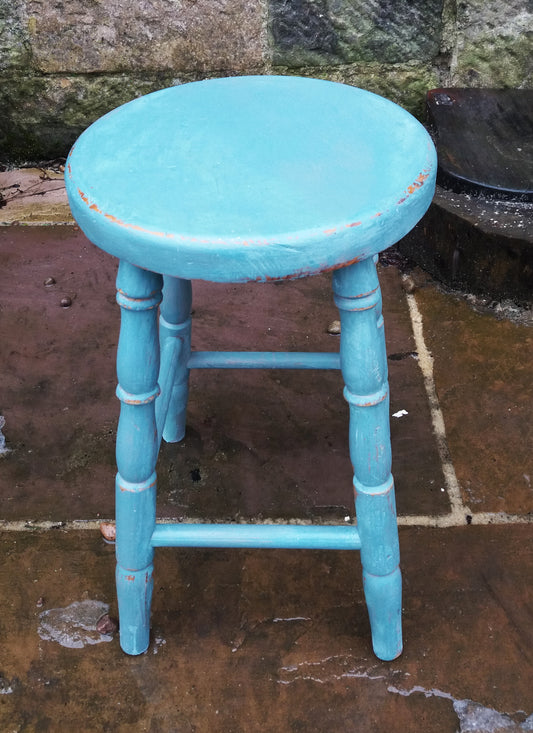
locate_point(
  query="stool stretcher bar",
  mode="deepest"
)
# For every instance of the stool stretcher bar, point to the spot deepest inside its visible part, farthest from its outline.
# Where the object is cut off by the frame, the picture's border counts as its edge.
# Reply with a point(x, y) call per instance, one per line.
point(171, 349)
point(275, 536)
point(264, 360)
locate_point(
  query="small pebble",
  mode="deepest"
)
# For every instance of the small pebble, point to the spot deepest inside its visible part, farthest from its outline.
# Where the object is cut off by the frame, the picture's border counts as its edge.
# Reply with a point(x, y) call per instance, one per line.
point(40, 602)
point(66, 302)
point(106, 625)
point(334, 328)
point(49, 281)
point(109, 531)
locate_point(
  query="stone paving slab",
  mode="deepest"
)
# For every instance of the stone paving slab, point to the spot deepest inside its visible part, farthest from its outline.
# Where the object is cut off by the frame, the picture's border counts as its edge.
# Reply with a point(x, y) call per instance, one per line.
point(242, 640)
point(483, 374)
point(34, 196)
point(259, 443)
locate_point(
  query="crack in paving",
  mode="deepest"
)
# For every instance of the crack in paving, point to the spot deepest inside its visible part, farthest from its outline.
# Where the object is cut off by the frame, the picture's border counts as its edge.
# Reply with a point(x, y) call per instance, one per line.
point(473, 717)
point(330, 669)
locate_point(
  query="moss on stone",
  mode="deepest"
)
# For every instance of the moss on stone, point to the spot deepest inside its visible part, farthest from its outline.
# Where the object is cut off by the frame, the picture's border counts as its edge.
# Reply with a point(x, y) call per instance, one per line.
point(43, 115)
point(496, 61)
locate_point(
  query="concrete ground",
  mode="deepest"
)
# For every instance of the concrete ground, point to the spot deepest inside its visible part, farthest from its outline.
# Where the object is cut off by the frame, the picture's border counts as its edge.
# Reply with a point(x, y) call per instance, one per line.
point(269, 641)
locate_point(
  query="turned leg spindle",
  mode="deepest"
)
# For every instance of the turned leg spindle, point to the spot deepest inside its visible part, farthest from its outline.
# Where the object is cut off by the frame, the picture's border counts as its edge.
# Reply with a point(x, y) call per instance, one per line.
point(175, 326)
point(364, 369)
point(139, 295)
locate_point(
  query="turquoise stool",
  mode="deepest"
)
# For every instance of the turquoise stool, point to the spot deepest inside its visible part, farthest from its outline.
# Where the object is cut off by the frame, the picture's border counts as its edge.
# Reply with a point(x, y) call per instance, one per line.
point(237, 180)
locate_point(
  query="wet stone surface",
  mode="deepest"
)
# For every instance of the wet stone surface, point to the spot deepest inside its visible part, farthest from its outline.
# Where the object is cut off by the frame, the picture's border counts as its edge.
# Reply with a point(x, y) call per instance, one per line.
point(258, 443)
point(253, 640)
point(242, 641)
point(477, 235)
point(477, 245)
point(483, 379)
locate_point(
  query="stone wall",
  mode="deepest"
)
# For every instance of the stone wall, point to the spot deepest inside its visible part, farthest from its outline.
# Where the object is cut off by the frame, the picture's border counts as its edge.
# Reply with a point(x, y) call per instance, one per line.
point(63, 63)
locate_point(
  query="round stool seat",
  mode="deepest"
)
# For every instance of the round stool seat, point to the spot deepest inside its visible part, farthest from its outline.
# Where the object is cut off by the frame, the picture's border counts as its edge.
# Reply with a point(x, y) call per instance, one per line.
point(251, 178)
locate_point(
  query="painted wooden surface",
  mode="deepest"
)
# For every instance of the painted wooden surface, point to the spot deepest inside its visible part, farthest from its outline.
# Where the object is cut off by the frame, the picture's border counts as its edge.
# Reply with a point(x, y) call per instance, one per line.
point(265, 536)
point(263, 360)
point(139, 295)
point(364, 369)
point(251, 178)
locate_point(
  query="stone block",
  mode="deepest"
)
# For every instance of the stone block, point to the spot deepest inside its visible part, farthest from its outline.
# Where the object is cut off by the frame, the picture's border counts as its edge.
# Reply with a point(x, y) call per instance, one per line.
point(315, 32)
point(83, 36)
point(43, 115)
point(494, 44)
point(15, 50)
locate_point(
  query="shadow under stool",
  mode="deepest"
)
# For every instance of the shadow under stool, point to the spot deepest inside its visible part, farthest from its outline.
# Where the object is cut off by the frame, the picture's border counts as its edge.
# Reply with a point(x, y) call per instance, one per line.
point(236, 180)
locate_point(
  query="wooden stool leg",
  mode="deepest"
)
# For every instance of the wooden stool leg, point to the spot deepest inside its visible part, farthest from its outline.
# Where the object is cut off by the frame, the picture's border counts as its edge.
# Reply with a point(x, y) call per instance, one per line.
point(364, 369)
point(139, 294)
point(175, 322)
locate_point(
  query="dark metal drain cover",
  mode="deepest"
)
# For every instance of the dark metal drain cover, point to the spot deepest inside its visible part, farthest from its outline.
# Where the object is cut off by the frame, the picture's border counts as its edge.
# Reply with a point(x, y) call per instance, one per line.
point(484, 140)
